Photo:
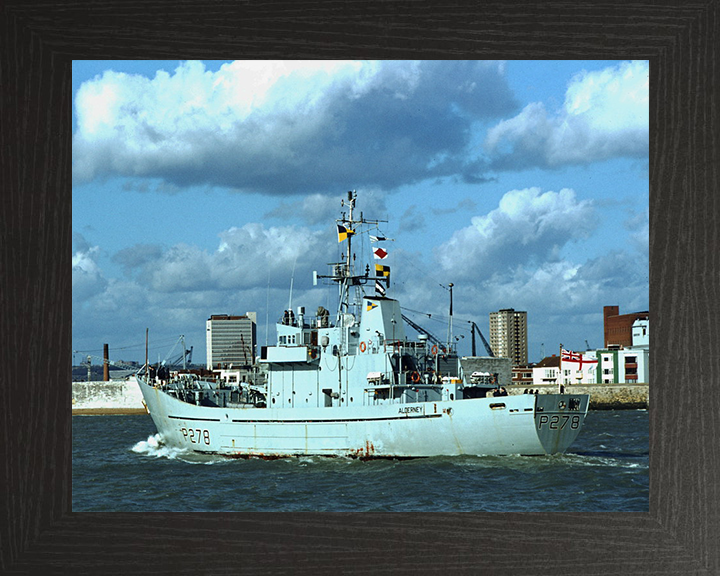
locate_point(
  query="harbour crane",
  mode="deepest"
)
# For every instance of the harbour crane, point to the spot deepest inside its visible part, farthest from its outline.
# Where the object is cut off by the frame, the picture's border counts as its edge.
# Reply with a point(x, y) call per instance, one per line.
point(101, 361)
point(474, 328)
point(185, 357)
point(421, 330)
point(177, 360)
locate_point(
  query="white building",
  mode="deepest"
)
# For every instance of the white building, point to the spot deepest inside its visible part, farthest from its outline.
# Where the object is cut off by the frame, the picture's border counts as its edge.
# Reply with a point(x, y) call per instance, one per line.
point(547, 371)
point(614, 366)
point(641, 333)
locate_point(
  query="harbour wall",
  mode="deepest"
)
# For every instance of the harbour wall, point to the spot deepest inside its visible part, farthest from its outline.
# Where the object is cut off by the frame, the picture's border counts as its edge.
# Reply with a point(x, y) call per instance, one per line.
point(111, 397)
point(122, 397)
point(602, 396)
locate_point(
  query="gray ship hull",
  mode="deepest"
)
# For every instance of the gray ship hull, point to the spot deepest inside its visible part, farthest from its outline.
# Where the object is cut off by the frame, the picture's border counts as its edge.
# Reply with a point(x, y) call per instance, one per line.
point(524, 424)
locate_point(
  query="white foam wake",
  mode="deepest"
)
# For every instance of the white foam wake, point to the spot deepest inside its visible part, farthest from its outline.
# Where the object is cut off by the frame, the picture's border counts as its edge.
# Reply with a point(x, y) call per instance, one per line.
point(154, 446)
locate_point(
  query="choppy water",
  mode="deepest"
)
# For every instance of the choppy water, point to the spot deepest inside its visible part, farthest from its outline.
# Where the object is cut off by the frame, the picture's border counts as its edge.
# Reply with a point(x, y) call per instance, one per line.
point(120, 465)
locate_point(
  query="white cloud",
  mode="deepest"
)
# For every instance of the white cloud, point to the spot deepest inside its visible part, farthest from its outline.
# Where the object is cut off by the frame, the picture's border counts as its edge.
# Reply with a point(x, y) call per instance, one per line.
point(287, 126)
point(605, 115)
point(638, 224)
point(246, 257)
point(87, 278)
point(320, 208)
point(529, 226)
point(173, 290)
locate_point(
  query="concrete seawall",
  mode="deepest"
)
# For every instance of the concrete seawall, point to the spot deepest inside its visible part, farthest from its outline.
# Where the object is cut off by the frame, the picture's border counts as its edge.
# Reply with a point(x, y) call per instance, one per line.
point(112, 397)
point(121, 397)
point(602, 396)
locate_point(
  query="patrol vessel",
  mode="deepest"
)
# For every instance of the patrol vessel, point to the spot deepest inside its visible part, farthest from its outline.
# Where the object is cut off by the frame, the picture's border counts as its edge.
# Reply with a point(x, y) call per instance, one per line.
point(354, 385)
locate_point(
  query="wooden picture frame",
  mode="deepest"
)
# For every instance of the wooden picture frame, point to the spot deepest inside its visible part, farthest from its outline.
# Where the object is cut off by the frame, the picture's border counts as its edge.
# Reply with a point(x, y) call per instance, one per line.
point(39, 533)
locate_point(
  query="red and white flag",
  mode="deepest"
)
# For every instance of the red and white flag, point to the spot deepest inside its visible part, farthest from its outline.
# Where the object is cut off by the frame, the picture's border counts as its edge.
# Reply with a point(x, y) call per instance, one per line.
point(379, 253)
point(577, 358)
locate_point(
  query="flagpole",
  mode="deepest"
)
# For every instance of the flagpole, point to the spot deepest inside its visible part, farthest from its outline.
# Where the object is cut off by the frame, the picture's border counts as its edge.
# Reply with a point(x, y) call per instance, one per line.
point(561, 372)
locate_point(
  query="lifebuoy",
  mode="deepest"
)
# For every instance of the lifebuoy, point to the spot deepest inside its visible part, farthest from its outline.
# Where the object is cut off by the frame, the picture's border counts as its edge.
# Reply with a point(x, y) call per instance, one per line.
point(415, 377)
point(363, 347)
point(433, 350)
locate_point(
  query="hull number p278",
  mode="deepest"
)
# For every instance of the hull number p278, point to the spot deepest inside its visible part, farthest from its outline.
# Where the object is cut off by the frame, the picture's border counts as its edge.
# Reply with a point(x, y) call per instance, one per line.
point(196, 435)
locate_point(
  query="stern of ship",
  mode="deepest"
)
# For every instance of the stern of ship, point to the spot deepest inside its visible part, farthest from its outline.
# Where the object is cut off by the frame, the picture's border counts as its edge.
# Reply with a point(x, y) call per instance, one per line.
point(559, 419)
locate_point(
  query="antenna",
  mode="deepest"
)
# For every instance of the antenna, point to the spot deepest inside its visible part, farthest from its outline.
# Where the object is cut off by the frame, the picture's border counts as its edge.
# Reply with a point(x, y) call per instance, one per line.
point(450, 321)
point(292, 281)
point(267, 308)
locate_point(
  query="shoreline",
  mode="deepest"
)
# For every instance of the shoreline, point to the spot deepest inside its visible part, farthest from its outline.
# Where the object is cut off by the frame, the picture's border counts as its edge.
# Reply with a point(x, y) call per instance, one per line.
point(121, 399)
point(602, 396)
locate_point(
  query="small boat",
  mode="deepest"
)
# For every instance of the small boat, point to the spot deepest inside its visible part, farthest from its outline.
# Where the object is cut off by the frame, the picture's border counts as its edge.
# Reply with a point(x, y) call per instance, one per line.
point(354, 385)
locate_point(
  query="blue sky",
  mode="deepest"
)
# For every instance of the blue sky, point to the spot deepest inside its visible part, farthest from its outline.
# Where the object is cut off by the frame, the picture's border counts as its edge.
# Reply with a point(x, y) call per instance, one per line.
point(198, 187)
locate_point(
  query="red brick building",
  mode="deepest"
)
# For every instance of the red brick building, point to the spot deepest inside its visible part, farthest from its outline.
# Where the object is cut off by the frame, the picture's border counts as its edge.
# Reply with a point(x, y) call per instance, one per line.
point(618, 327)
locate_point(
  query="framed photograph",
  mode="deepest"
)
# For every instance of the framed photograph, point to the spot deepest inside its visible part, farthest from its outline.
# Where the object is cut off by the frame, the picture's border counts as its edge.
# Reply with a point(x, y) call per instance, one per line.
point(513, 117)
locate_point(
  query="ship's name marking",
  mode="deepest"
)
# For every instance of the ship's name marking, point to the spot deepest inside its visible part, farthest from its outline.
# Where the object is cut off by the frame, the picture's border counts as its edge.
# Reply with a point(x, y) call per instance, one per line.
point(410, 410)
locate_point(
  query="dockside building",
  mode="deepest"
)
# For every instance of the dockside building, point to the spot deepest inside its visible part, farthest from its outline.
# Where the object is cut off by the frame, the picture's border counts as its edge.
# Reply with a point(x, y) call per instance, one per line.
point(231, 341)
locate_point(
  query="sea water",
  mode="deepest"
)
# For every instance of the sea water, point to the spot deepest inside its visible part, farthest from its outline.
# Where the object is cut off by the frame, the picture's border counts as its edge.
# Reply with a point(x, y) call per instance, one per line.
point(121, 465)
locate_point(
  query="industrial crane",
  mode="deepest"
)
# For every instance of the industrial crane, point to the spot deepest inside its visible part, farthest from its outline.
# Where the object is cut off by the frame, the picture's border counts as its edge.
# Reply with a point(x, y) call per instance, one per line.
point(474, 328)
point(88, 364)
point(185, 357)
point(433, 339)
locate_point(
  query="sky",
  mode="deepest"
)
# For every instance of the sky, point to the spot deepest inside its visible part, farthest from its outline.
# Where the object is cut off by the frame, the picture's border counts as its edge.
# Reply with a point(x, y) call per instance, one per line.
point(207, 187)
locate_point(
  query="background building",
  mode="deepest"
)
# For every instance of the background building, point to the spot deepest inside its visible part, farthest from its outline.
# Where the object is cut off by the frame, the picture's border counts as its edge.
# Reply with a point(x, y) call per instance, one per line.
point(508, 335)
point(615, 365)
point(547, 371)
point(231, 340)
point(618, 327)
point(522, 375)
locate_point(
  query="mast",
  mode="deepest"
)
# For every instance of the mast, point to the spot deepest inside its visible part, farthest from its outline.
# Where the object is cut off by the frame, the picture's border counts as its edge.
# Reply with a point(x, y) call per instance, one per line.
point(450, 322)
point(343, 272)
point(348, 254)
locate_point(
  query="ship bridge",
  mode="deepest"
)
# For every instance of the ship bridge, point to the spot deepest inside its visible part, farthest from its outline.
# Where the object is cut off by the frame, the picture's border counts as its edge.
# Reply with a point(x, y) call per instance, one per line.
point(381, 320)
